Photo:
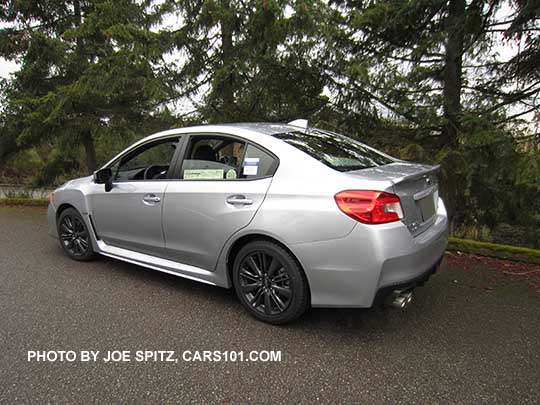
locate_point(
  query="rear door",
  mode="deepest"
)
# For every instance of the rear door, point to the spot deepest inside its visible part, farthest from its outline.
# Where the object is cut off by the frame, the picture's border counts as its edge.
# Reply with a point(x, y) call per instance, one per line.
point(222, 182)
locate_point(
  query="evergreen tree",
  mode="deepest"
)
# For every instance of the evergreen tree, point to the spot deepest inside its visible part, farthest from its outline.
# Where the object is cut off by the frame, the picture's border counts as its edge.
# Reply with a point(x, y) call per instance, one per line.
point(252, 60)
point(89, 69)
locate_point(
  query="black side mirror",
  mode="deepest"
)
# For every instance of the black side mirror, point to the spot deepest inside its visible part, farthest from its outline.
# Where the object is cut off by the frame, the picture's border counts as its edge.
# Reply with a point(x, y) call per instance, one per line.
point(104, 176)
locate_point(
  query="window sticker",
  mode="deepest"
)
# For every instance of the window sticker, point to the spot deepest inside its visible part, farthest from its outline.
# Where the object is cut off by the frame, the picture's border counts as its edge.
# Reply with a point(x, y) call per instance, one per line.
point(231, 174)
point(251, 166)
point(203, 174)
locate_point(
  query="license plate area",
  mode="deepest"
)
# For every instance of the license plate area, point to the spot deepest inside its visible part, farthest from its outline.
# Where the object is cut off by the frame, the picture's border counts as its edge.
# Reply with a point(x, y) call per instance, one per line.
point(428, 205)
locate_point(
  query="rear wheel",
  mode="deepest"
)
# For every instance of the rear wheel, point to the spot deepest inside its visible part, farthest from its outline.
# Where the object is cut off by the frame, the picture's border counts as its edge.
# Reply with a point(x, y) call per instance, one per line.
point(269, 282)
point(74, 236)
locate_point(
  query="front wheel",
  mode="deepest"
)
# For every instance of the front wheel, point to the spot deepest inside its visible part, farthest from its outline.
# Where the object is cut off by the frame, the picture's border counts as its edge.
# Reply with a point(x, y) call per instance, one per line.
point(74, 235)
point(269, 282)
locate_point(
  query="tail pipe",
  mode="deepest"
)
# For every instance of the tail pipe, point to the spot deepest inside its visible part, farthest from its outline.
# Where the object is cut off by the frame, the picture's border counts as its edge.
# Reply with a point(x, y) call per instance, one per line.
point(401, 299)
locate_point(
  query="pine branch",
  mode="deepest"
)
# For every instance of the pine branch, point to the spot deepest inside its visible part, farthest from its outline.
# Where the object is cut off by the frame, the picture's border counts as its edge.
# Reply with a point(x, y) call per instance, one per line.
point(500, 23)
point(514, 97)
point(518, 30)
point(517, 115)
point(481, 29)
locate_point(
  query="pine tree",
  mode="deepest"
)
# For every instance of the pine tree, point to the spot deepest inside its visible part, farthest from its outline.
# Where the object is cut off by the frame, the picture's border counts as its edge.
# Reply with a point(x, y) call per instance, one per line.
point(250, 60)
point(431, 63)
point(89, 69)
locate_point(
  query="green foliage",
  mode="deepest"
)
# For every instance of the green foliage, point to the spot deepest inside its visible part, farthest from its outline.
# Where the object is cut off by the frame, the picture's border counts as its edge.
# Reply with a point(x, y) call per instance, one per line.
point(527, 236)
point(25, 163)
point(87, 67)
point(256, 63)
point(525, 65)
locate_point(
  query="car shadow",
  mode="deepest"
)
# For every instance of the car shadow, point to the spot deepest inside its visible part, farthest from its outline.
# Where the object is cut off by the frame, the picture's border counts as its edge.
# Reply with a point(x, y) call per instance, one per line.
point(340, 321)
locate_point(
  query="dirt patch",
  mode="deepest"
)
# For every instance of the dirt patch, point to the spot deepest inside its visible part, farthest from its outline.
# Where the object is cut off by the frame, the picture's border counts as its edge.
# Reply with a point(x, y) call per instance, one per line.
point(528, 273)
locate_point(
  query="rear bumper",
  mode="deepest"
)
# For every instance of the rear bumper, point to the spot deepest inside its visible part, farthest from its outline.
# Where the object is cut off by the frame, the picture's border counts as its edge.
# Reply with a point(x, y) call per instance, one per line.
point(384, 292)
point(349, 272)
point(426, 252)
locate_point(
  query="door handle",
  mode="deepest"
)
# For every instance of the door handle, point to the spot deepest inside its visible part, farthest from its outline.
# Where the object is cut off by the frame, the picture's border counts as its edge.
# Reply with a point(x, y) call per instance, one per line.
point(239, 200)
point(151, 199)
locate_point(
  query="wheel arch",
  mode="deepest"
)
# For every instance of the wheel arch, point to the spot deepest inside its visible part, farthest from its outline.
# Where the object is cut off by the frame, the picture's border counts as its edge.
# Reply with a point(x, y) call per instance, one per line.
point(62, 207)
point(75, 199)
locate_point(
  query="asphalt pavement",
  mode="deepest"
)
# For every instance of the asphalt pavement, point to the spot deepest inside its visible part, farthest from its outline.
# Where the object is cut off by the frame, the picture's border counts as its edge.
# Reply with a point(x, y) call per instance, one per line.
point(467, 338)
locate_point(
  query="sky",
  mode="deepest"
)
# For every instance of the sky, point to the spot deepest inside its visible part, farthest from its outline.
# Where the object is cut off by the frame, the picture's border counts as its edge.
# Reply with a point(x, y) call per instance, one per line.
point(7, 67)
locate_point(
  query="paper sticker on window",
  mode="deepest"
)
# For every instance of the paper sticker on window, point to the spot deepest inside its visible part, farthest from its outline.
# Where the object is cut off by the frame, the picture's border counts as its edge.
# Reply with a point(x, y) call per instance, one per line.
point(251, 166)
point(203, 174)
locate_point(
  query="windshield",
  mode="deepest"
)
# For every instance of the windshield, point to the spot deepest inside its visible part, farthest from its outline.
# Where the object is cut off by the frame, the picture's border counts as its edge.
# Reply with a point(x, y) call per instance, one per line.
point(334, 150)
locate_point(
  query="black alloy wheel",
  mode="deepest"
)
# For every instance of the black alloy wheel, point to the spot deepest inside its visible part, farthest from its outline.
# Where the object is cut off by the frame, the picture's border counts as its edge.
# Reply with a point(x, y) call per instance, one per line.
point(265, 283)
point(74, 235)
point(269, 282)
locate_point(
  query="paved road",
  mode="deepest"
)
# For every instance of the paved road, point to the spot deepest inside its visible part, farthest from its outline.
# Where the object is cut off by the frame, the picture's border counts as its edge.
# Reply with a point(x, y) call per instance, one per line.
point(459, 342)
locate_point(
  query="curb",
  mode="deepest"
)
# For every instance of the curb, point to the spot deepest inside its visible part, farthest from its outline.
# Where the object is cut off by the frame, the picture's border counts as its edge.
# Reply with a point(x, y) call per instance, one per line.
point(28, 202)
point(507, 252)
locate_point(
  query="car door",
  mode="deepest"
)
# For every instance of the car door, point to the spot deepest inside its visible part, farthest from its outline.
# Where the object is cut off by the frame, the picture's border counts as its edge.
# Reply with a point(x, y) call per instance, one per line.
point(129, 216)
point(222, 183)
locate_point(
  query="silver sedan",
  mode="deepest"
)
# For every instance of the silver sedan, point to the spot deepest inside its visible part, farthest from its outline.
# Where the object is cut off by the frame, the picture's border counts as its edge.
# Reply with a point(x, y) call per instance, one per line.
point(287, 215)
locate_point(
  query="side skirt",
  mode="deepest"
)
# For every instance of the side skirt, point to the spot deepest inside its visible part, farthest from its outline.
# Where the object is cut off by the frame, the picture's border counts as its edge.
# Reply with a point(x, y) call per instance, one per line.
point(159, 264)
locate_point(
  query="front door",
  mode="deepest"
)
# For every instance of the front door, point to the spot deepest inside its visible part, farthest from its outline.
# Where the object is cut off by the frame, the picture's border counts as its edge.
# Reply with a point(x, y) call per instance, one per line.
point(222, 183)
point(129, 216)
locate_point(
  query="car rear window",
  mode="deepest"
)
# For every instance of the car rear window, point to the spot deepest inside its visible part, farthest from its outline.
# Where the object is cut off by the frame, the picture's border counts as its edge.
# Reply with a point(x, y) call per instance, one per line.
point(334, 150)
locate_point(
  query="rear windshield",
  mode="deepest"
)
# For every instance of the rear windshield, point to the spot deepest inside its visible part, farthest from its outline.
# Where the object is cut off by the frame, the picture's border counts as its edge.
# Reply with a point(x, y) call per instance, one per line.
point(334, 150)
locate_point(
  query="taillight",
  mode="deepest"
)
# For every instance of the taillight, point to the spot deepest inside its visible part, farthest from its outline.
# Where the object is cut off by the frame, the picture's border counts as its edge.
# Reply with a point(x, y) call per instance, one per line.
point(370, 207)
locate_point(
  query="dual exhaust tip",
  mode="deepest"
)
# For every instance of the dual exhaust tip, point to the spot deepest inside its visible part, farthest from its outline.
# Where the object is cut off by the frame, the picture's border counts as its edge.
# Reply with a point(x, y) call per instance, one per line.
point(401, 299)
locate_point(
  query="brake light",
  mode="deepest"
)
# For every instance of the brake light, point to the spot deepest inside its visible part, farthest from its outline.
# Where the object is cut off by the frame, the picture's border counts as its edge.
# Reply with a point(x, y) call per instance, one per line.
point(370, 207)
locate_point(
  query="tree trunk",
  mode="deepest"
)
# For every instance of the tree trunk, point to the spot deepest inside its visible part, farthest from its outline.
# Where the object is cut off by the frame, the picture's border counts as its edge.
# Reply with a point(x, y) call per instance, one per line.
point(455, 22)
point(226, 88)
point(90, 151)
point(87, 141)
point(452, 73)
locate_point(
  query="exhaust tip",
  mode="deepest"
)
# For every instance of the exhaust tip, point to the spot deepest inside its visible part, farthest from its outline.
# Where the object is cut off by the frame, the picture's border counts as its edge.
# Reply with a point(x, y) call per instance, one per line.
point(402, 299)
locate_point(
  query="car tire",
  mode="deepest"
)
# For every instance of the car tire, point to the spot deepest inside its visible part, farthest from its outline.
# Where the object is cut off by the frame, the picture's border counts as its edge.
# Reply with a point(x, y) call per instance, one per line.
point(270, 283)
point(74, 235)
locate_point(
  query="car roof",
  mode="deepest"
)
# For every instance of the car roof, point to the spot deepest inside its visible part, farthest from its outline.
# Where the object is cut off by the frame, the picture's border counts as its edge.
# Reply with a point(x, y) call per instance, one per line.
point(266, 128)
point(262, 128)
point(258, 132)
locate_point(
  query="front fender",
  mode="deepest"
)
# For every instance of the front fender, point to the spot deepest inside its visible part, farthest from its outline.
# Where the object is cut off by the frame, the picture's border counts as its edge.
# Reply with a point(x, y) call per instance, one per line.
point(64, 198)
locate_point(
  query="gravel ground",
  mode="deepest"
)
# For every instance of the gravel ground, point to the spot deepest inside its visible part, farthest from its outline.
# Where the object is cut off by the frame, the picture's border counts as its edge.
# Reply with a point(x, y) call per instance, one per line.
point(468, 337)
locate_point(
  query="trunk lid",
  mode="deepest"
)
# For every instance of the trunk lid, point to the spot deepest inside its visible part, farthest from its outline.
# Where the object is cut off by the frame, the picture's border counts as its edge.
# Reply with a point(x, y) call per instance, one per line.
point(417, 187)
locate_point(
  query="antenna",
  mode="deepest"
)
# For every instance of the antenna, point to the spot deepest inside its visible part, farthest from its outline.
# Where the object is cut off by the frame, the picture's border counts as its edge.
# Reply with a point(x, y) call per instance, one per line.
point(299, 123)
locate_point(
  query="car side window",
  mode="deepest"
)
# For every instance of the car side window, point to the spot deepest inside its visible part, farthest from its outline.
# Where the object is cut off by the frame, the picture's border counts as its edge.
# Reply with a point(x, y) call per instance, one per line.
point(212, 158)
point(257, 163)
point(149, 162)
